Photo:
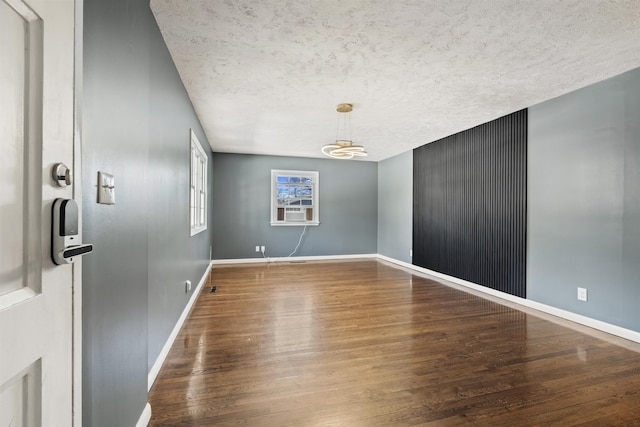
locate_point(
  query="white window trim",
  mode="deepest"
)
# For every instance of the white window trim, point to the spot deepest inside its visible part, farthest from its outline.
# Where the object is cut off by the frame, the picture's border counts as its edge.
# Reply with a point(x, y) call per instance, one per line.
point(199, 187)
point(315, 176)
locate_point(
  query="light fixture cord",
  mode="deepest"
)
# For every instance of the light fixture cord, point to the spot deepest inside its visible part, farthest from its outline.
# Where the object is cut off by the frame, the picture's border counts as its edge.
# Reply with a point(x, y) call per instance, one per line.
point(346, 137)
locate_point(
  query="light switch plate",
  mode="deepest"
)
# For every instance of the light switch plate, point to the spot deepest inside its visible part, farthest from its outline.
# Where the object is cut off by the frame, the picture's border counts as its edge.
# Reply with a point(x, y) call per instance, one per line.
point(106, 189)
point(582, 294)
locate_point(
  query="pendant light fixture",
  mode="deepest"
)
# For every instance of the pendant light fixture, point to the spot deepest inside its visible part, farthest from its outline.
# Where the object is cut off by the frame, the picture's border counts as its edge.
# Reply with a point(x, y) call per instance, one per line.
point(344, 148)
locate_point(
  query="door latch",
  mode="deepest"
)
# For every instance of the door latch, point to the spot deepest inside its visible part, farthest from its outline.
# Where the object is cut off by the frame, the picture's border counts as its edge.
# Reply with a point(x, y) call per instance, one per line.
point(65, 239)
point(62, 175)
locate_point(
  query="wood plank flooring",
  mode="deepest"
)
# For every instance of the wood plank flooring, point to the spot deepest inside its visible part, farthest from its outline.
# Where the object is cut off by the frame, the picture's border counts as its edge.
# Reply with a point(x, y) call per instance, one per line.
point(363, 343)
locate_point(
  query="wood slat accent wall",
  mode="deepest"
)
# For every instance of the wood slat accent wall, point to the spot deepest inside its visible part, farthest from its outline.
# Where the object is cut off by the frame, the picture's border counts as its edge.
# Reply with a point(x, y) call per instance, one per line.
point(469, 204)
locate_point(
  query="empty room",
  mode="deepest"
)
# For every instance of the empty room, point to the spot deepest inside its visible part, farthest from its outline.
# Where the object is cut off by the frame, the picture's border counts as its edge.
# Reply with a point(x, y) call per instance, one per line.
point(237, 213)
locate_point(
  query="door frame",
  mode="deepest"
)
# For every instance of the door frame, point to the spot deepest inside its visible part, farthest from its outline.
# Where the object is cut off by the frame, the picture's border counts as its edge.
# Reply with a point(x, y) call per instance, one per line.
point(77, 196)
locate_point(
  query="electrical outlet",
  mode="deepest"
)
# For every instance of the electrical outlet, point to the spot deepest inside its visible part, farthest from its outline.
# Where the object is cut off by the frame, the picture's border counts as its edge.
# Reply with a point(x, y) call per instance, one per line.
point(410, 252)
point(257, 248)
point(187, 286)
point(582, 294)
point(263, 248)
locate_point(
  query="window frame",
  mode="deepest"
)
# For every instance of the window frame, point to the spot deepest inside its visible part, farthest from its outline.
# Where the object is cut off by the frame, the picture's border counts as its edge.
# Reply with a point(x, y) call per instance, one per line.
point(198, 186)
point(315, 198)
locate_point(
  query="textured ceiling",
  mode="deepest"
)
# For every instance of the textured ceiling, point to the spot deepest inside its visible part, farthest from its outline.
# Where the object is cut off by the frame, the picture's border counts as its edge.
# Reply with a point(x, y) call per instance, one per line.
point(265, 76)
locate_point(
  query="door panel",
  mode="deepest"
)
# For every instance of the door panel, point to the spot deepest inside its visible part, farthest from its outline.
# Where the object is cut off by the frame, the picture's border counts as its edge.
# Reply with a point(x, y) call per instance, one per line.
point(20, 398)
point(36, 131)
point(13, 31)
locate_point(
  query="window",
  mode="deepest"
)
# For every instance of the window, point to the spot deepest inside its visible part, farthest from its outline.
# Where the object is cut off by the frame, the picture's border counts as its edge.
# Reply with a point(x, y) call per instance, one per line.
point(294, 198)
point(198, 186)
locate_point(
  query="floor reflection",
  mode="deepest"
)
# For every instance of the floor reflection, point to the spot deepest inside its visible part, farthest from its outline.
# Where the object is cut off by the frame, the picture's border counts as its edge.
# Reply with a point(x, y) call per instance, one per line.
point(293, 324)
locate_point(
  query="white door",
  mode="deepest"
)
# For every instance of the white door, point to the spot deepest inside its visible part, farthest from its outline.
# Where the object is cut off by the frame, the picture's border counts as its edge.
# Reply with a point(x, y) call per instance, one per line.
point(36, 131)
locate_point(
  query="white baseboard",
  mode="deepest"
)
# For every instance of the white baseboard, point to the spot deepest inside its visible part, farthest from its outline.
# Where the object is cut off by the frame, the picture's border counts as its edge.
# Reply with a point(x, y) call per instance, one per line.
point(155, 369)
point(554, 311)
point(290, 259)
point(145, 417)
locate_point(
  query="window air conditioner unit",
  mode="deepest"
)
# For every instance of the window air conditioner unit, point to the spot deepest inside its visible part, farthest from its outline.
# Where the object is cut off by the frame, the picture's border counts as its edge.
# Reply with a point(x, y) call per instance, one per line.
point(294, 214)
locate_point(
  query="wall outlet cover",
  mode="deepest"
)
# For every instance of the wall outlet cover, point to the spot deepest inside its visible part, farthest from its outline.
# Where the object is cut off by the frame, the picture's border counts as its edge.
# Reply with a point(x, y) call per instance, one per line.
point(582, 294)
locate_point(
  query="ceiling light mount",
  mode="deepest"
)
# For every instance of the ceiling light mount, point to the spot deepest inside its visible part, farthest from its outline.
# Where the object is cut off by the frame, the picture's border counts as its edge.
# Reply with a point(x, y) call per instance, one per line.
point(344, 148)
point(344, 108)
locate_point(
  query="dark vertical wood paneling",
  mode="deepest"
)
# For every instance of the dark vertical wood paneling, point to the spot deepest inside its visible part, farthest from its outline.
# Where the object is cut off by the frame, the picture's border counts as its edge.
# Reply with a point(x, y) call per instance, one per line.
point(469, 204)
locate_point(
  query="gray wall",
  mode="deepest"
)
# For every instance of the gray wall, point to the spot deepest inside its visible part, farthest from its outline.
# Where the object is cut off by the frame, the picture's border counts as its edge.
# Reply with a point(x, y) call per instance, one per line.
point(136, 126)
point(584, 201)
point(241, 207)
point(173, 256)
point(395, 206)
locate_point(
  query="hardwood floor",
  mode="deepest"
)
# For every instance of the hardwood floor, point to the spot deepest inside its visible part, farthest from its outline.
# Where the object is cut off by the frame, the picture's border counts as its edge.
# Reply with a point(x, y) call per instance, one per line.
point(362, 343)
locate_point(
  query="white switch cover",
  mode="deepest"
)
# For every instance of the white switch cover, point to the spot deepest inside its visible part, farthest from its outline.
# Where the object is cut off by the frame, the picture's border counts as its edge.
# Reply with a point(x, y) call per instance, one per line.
point(582, 294)
point(106, 189)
